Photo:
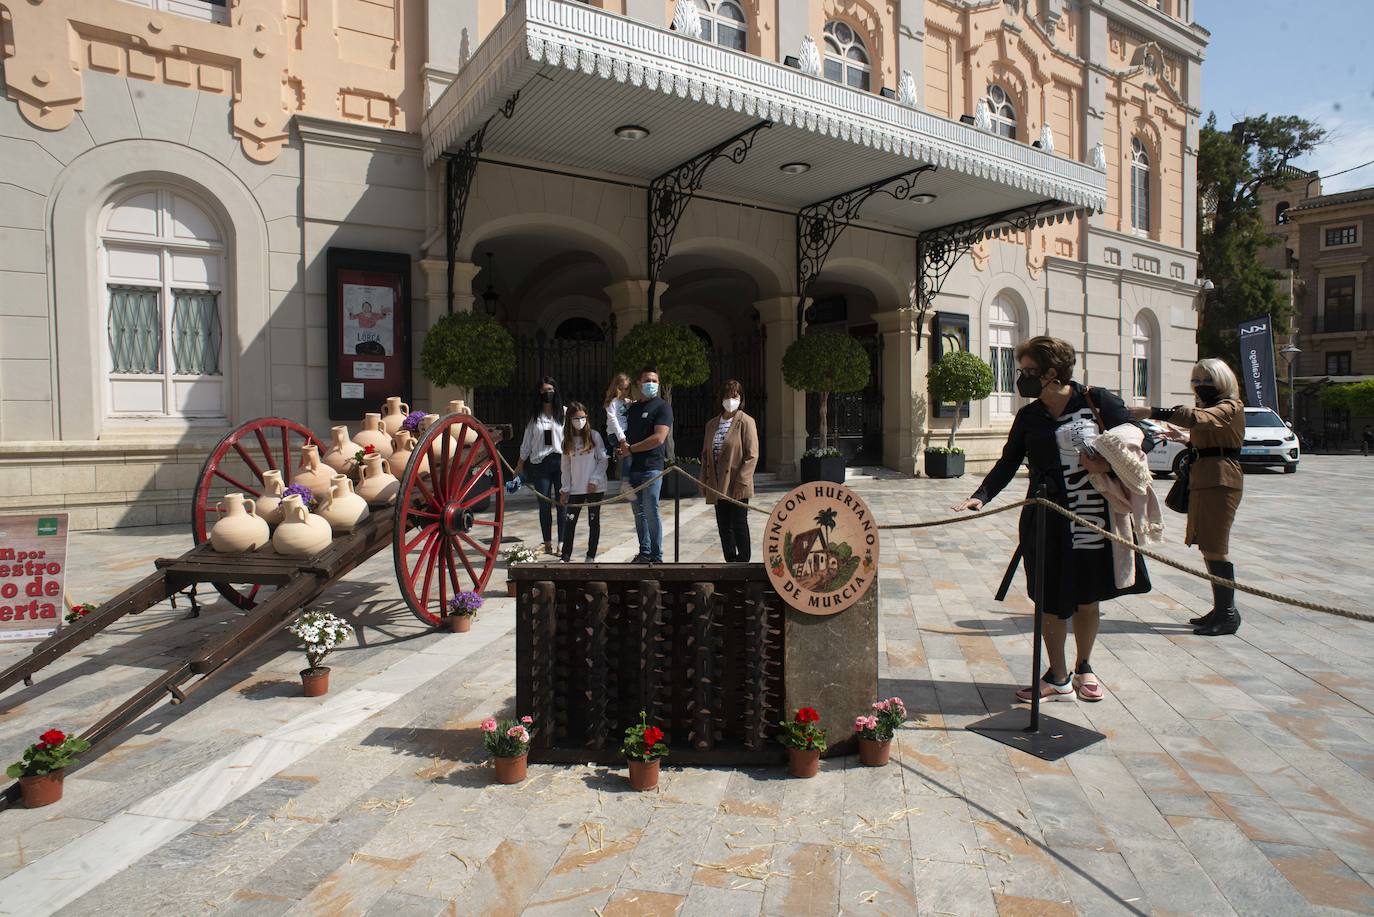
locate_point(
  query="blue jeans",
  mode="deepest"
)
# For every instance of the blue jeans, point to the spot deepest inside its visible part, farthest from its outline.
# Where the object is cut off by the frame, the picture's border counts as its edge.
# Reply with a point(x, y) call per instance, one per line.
point(648, 525)
point(547, 477)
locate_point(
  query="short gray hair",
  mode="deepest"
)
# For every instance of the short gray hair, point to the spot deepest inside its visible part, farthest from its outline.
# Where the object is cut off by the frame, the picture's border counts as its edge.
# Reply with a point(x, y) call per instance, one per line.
point(1222, 376)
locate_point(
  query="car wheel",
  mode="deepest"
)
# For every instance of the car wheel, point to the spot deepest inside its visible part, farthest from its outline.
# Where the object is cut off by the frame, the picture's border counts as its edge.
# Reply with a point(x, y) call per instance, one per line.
point(1162, 474)
point(1290, 468)
point(1179, 460)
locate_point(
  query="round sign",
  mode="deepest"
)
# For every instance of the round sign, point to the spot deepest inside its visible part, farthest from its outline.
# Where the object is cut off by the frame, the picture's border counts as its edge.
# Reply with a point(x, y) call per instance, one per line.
point(821, 548)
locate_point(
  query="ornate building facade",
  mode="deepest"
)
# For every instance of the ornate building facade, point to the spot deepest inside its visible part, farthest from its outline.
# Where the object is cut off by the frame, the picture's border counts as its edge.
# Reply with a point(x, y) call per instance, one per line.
point(179, 170)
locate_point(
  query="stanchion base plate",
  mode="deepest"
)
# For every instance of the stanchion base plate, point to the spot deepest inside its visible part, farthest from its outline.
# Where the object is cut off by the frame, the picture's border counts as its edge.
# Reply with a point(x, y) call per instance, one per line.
point(1054, 739)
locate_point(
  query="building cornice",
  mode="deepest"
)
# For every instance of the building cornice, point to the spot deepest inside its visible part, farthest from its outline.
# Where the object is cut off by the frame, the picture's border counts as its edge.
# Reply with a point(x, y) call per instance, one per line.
point(355, 136)
point(1188, 39)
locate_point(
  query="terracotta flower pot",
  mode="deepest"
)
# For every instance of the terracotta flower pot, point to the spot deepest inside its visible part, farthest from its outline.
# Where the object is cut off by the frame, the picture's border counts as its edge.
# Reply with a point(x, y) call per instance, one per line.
point(41, 789)
point(458, 624)
point(315, 681)
point(511, 770)
point(510, 588)
point(643, 774)
point(803, 763)
point(873, 753)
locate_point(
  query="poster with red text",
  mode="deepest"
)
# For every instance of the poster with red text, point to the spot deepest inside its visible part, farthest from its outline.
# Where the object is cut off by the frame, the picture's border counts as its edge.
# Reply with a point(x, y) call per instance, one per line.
point(33, 570)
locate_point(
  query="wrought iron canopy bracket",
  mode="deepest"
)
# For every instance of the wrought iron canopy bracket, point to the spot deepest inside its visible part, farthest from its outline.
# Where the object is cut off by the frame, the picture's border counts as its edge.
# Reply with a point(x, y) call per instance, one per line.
point(459, 170)
point(938, 250)
point(670, 193)
point(819, 225)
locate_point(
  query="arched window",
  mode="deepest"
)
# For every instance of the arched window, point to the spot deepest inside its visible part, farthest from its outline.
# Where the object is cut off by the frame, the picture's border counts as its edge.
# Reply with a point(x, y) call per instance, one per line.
point(846, 58)
point(1003, 334)
point(1141, 345)
point(1281, 212)
point(1140, 186)
point(722, 22)
point(579, 329)
point(162, 261)
point(1002, 111)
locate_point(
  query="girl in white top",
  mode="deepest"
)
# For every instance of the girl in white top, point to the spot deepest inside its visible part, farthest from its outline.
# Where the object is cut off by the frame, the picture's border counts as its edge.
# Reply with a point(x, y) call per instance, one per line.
point(617, 406)
point(584, 479)
point(541, 448)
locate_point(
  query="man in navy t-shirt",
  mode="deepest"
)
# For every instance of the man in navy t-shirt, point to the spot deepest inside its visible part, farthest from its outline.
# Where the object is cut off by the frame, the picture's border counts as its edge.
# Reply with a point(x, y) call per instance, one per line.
point(646, 437)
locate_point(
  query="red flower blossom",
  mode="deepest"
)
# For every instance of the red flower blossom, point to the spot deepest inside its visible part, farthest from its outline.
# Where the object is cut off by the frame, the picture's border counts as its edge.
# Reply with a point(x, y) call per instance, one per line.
point(652, 736)
point(53, 737)
point(41, 746)
point(369, 449)
point(808, 715)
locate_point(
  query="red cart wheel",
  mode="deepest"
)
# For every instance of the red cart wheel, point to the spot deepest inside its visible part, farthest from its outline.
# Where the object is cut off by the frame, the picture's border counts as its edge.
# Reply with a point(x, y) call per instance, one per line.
point(448, 516)
point(236, 465)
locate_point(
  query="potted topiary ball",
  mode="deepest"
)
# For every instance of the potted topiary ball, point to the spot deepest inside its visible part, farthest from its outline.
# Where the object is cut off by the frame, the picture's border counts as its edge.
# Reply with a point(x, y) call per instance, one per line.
point(958, 376)
point(680, 358)
point(825, 362)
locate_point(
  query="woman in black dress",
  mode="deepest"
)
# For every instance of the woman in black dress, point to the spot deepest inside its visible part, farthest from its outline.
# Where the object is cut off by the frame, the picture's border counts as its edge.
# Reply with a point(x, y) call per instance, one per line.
point(1049, 434)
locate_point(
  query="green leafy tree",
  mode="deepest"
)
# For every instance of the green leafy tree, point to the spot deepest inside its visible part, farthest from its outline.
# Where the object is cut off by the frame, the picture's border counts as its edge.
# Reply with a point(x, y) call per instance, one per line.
point(468, 349)
point(1232, 168)
point(825, 362)
point(1357, 398)
point(826, 519)
point(675, 350)
point(959, 376)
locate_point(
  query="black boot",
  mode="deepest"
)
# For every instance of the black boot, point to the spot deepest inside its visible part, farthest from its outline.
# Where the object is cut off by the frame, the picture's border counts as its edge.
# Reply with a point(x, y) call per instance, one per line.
point(1224, 618)
point(1209, 617)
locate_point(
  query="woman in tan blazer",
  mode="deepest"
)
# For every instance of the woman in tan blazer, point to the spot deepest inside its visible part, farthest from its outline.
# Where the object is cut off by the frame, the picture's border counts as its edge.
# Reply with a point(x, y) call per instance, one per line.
point(729, 452)
point(1216, 428)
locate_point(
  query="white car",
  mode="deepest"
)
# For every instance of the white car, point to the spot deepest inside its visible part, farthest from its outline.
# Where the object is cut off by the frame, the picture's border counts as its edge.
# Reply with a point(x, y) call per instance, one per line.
point(1268, 441)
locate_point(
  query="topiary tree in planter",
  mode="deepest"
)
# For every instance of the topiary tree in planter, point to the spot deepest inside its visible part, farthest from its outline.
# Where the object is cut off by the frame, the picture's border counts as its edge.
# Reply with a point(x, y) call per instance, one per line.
point(675, 350)
point(468, 349)
point(824, 362)
point(957, 376)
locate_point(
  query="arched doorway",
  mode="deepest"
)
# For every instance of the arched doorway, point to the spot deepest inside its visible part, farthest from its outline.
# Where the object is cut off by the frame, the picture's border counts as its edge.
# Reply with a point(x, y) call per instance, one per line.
point(855, 419)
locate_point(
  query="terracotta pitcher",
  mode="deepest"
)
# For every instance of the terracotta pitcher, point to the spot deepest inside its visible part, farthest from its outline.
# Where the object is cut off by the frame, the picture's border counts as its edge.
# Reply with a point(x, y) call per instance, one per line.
point(460, 407)
point(378, 486)
point(300, 534)
point(340, 454)
point(240, 529)
point(402, 444)
point(314, 474)
point(394, 411)
point(342, 509)
point(373, 434)
point(269, 504)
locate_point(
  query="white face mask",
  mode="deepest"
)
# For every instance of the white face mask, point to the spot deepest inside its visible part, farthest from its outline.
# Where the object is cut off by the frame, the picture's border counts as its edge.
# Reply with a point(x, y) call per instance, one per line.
point(731, 405)
point(579, 423)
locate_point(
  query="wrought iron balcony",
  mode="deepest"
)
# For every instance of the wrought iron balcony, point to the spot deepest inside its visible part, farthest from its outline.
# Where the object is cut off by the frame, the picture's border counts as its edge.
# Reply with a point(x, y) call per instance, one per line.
point(1333, 324)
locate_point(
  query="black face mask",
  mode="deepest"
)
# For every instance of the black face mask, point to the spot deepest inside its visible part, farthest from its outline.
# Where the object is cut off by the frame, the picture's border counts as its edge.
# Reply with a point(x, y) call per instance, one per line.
point(1207, 394)
point(1029, 386)
point(547, 396)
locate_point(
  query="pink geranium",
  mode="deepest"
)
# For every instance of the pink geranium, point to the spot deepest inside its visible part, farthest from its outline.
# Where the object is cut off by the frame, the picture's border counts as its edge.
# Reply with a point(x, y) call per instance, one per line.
point(519, 733)
point(489, 725)
point(879, 726)
point(880, 705)
point(527, 720)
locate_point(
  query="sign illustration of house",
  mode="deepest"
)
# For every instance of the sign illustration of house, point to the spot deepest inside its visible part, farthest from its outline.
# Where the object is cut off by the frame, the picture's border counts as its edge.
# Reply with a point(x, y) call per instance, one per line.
point(809, 555)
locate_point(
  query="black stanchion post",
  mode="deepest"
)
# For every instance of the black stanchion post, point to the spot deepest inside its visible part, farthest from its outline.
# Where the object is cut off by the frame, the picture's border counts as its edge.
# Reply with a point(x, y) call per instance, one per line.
point(1039, 601)
point(677, 523)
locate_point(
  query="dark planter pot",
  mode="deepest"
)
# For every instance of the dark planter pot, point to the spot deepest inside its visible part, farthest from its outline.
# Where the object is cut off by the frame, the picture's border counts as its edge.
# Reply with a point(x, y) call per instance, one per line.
point(510, 588)
point(675, 485)
point(315, 681)
point(823, 469)
point(487, 483)
point(944, 464)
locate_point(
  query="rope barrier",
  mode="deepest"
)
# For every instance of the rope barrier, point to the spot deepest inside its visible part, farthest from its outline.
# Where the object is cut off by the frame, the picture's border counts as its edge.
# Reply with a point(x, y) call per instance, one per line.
point(969, 517)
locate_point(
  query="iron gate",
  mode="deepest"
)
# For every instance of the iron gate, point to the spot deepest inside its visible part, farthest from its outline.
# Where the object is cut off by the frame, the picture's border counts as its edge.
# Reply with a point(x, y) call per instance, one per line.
point(855, 418)
point(694, 406)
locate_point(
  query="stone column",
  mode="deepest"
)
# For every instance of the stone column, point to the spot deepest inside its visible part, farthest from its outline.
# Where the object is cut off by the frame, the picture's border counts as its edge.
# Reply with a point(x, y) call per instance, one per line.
point(435, 307)
point(1096, 51)
point(904, 391)
point(785, 425)
point(630, 303)
point(794, 23)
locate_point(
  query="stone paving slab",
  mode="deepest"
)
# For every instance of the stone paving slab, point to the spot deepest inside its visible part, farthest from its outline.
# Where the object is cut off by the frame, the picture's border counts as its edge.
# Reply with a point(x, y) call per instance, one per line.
point(1235, 777)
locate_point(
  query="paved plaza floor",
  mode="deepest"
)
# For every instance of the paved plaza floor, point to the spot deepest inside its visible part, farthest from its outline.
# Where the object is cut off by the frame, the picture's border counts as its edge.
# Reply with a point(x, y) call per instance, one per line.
point(1237, 775)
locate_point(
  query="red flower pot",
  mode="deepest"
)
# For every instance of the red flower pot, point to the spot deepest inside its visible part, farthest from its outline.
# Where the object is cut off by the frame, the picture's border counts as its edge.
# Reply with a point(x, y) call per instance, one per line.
point(643, 774)
point(315, 681)
point(873, 753)
point(511, 770)
point(41, 789)
point(458, 624)
point(803, 763)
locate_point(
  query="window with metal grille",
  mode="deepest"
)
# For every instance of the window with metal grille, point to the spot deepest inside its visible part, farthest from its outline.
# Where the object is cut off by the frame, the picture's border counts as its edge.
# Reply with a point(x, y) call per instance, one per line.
point(846, 57)
point(1141, 345)
point(1002, 337)
point(1342, 235)
point(1140, 186)
point(1338, 363)
point(723, 23)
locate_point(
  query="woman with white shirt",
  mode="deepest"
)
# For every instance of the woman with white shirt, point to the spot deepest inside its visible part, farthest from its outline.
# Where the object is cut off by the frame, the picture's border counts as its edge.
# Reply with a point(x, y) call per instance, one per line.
point(617, 407)
point(584, 479)
point(542, 448)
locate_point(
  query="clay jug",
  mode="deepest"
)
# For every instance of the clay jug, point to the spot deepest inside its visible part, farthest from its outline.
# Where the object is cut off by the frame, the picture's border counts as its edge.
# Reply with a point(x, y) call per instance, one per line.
point(394, 410)
point(269, 504)
point(300, 534)
point(313, 473)
point(342, 509)
point(402, 444)
point(373, 434)
point(340, 454)
point(460, 407)
point(239, 529)
point(436, 449)
point(378, 486)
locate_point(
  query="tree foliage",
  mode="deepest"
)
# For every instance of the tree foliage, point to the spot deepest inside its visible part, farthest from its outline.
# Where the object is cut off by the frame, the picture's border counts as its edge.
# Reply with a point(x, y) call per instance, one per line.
point(825, 362)
point(676, 351)
point(468, 349)
point(959, 376)
point(1356, 397)
point(1232, 168)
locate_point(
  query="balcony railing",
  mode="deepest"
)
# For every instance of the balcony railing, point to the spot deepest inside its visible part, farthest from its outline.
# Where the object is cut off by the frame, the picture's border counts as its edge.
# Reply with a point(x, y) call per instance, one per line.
point(1330, 324)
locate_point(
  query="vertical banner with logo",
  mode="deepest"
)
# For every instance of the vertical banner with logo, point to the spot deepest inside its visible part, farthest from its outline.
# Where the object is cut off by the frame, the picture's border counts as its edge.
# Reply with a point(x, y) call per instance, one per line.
point(33, 570)
point(1257, 379)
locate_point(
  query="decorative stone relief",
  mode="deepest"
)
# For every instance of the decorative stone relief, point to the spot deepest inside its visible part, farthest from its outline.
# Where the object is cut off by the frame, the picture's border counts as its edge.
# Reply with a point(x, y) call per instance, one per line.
point(906, 90)
point(810, 57)
point(686, 20)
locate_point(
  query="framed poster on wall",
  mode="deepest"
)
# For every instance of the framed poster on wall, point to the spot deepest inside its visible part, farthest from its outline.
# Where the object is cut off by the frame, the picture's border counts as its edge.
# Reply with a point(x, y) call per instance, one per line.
point(369, 330)
point(949, 332)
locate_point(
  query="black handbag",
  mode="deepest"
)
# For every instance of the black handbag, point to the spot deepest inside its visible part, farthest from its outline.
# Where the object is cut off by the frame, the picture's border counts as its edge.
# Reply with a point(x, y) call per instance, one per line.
point(1177, 498)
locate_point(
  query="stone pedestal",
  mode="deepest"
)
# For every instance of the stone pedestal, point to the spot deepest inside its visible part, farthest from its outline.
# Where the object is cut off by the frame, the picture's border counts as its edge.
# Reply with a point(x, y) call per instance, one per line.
point(832, 665)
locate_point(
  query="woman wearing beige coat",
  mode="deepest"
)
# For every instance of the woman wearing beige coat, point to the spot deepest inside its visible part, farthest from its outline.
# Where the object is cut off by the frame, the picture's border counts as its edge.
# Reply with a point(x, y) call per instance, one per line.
point(729, 452)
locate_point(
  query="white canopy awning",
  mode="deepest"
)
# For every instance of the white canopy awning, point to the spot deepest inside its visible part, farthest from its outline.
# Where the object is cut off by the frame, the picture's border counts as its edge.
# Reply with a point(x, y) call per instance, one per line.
point(582, 72)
